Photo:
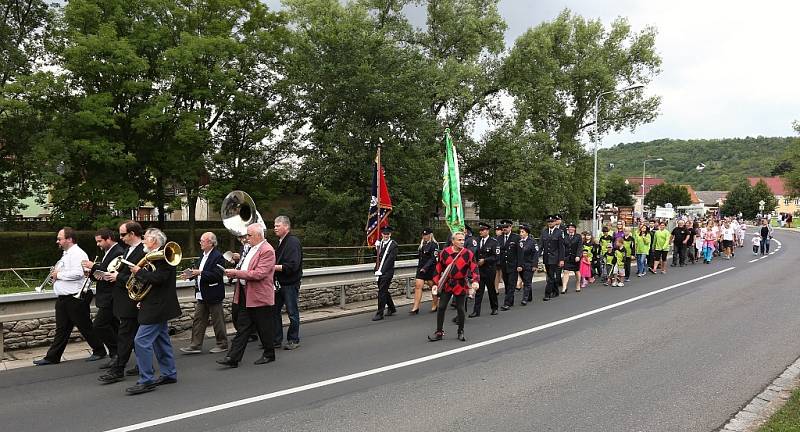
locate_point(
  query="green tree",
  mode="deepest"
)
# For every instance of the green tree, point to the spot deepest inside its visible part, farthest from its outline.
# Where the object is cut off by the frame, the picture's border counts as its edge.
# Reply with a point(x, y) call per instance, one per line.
point(740, 199)
point(791, 178)
point(762, 192)
point(616, 191)
point(23, 33)
point(664, 193)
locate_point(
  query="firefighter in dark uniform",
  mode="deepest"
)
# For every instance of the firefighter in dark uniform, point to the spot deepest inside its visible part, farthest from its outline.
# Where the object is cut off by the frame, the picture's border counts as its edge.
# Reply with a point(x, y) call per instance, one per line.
point(508, 250)
point(487, 258)
point(551, 246)
point(560, 269)
point(498, 262)
point(527, 261)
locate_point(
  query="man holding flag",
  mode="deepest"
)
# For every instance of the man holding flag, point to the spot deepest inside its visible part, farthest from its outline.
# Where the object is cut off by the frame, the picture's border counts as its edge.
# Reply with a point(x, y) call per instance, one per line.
point(378, 228)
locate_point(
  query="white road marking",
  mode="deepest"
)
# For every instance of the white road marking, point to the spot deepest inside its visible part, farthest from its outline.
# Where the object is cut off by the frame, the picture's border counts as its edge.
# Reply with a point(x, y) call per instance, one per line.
point(375, 371)
point(753, 260)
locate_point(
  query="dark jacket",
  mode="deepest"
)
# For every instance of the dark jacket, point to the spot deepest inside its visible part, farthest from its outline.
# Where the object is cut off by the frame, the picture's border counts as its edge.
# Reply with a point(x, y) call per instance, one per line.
point(212, 288)
point(104, 289)
point(551, 246)
point(161, 303)
point(289, 254)
point(386, 265)
point(573, 246)
point(426, 259)
point(510, 253)
point(488, 253)
point(124, 307)
point(528, 254)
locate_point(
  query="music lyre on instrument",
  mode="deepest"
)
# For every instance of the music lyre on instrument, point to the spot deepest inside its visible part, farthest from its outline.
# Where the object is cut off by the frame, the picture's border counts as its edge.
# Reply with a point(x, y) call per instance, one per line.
point(86, 283)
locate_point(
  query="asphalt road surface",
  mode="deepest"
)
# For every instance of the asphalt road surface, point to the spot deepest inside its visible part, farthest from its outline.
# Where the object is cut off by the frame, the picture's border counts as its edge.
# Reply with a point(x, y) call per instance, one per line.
point(677, 352)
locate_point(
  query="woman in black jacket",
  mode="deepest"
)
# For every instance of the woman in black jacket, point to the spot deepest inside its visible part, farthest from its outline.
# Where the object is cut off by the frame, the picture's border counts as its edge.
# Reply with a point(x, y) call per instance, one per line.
point(573, 246)
point(427, 253)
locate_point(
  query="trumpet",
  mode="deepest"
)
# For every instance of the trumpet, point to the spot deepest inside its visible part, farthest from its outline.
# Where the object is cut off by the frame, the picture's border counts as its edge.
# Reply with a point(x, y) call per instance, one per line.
point(86, 283)
point(49, 279)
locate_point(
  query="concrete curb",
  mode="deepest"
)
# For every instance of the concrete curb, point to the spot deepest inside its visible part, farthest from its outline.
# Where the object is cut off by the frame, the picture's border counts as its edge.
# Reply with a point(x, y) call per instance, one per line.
point(766, 403)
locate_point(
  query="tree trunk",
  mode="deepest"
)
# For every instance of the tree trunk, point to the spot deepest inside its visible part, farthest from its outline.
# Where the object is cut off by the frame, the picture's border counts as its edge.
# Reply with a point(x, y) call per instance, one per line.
point(191, 198)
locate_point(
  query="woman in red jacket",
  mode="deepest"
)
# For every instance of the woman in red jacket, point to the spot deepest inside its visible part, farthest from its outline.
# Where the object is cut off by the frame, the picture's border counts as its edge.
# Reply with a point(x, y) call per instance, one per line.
point(455, 265)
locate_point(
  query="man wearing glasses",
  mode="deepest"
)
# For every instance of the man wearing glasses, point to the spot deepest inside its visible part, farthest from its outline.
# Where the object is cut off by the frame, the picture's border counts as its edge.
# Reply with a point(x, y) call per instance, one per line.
point(125, 309)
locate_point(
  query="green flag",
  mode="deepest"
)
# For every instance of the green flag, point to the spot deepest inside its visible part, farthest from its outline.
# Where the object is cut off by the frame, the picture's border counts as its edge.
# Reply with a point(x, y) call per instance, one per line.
point(451, 187)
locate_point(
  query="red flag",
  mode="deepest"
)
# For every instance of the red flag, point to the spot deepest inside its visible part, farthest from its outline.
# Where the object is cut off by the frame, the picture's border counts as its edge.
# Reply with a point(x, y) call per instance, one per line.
point(380, 204)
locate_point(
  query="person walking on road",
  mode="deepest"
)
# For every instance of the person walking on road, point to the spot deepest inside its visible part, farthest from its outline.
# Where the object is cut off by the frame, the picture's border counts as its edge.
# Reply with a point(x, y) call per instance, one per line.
point(427, 253)
point(661, 245)
point(454, 268)
point(641, 240)
point(766, 236)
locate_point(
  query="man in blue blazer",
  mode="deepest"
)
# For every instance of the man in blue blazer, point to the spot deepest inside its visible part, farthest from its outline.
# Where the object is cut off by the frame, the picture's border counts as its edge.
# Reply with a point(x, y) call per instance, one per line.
point(209, 291)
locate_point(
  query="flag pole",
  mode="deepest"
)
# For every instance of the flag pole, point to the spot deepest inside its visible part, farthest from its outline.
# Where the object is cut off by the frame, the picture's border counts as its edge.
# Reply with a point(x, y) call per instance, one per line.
point(378, 173)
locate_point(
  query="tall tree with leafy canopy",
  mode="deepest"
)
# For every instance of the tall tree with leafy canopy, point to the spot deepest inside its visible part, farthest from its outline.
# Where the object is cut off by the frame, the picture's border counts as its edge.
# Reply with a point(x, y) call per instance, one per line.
point(23, 98)
point(616, 191)
point(554, 73)
point(664, 193)
point(740, 199)
point(792, 156)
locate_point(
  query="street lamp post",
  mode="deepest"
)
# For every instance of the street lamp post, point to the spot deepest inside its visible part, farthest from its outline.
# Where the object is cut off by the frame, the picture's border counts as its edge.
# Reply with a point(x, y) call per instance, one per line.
point(596, 143)
point(644, 167)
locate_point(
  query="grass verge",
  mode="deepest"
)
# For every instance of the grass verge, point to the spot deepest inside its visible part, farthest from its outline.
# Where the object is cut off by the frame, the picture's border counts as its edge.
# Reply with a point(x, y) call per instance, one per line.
point(787, 419)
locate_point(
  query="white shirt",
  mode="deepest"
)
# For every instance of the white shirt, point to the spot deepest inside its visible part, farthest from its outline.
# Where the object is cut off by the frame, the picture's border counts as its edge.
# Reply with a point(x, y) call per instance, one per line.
point(250, 254)
point(70, 271)
point(727, 233)
point(197, 295)
point(130, 250)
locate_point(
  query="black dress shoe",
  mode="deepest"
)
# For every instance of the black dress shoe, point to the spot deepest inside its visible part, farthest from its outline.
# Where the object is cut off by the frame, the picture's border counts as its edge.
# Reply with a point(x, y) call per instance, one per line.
point(437, 336)
point(165, 380)
point(391, 312)
point(494, 312)
point(505, 307)
point(377, 317)
point(227, 361)
point(109, 363)
point(95, 357)
point(111, 377)
point(134, 371)
point(474, 315)
point(546, 299)
point(264, 360)
point(43, 362)
point(252, 337)
point(141, 388)
point(461, 336)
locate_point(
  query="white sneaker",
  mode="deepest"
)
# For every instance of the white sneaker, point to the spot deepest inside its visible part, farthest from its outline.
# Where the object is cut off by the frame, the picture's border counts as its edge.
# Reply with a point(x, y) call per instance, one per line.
point(614, 283)
point(620, 284)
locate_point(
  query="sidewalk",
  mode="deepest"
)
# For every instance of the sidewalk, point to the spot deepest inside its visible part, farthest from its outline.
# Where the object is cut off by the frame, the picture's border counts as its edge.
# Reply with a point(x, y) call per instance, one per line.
point(80, 350)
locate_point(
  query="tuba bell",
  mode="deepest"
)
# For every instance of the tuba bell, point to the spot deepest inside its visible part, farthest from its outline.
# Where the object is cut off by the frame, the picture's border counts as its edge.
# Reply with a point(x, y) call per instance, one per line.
point(171, 253)
point(238, 211)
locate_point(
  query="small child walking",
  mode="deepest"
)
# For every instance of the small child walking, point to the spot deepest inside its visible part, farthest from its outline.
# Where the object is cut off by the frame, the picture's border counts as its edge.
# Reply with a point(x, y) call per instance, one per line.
point(610, 260)
point(756, 242)
point(585, 269)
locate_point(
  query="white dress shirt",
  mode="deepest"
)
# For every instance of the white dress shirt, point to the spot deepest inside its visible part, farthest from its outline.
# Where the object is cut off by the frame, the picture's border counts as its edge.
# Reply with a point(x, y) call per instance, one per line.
point(70, 271)
point(197, 295)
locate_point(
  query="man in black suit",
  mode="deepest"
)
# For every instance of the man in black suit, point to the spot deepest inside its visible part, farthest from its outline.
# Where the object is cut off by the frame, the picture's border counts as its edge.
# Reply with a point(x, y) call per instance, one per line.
point(527, 261)
point(509, 252)
point(487, 257)
point(384, 270)
point(551, 246)
point(125, 309)
point(288, 273)
point(209, 290)
point(105, 323)
point(158, 307)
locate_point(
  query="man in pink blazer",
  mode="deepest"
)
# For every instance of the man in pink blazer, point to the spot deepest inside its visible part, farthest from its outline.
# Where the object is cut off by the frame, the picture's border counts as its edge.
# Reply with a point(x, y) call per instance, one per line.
point(254, 295)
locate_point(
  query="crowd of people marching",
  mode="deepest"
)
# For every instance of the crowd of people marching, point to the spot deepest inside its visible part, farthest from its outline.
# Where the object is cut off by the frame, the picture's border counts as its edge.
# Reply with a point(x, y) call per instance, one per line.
point(472, 266)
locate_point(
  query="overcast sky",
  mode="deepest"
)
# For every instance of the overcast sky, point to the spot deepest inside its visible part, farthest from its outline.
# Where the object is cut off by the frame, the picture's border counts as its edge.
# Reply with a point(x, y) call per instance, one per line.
point(730, 68)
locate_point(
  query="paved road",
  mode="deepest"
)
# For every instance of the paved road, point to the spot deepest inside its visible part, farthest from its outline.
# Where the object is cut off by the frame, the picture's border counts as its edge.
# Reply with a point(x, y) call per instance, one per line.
point(685, 357)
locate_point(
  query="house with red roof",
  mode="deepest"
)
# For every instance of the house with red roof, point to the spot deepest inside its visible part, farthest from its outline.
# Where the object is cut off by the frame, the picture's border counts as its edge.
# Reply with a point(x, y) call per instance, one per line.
point(786, 204)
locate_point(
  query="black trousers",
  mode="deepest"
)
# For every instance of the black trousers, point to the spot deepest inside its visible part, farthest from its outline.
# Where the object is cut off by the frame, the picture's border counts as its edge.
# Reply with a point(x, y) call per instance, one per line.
point(527, 285)
point(486, 284)
point(71, 313)
point(460, 301)
point(553, 281)
point(510, 281)
point(258, 319)
point(125, 336)
point(679, 254)
point(106, 326)
point(384, 298)
point(627, 266)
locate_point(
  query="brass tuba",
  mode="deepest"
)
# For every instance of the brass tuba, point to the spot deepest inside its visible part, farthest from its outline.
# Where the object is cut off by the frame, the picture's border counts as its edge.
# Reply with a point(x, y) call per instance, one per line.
point(238, 211)
point(171, 253)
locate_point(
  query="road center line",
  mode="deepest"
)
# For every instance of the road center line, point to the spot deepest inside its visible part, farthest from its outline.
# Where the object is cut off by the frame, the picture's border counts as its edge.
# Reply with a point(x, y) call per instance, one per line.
point(375, 371)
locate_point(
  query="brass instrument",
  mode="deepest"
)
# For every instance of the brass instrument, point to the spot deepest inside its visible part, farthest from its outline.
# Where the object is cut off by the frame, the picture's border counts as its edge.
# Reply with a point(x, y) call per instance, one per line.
point(47, 280)
point(238, 211)
point(87, 283)
point(137, 290)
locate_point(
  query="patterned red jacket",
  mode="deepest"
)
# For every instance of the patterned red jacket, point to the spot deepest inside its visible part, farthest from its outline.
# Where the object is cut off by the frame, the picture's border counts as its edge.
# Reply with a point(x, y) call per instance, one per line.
point(464, 268)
